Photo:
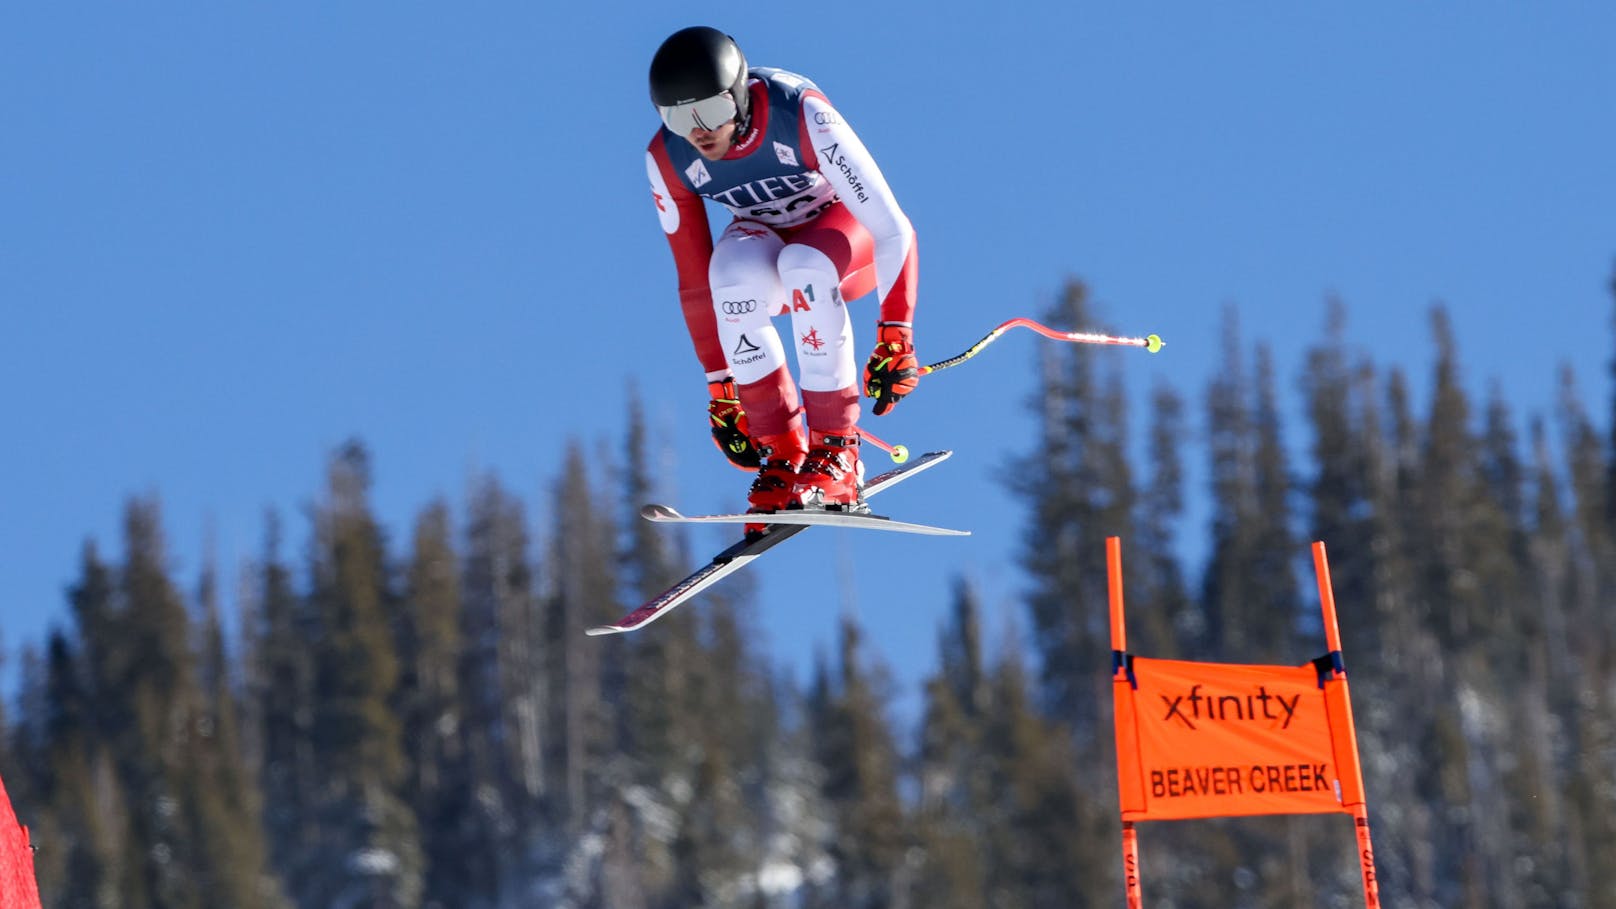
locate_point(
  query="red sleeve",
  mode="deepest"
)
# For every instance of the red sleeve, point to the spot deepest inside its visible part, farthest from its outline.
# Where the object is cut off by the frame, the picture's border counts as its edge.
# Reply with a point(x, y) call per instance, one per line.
point(684, 220)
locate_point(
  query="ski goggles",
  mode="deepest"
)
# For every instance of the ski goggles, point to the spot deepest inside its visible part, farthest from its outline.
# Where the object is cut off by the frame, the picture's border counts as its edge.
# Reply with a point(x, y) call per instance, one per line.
point(705, 114)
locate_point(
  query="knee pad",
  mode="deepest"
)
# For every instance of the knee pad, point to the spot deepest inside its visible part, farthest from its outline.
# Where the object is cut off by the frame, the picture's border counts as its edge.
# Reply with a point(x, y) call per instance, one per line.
point(746, 293)
point(821, 327)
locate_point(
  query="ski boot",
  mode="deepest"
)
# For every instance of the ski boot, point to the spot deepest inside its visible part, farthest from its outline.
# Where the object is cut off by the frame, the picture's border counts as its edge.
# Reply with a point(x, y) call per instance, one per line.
point(832, 477)
point(774, 488)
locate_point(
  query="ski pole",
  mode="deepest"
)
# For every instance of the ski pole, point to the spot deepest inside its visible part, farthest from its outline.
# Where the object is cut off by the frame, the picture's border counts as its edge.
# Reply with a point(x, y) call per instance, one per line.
point(899, 453)
point(1151, 343)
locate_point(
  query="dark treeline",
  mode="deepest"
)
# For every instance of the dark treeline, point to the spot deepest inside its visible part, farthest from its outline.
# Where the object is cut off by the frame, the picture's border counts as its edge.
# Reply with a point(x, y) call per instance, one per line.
point(420, 722)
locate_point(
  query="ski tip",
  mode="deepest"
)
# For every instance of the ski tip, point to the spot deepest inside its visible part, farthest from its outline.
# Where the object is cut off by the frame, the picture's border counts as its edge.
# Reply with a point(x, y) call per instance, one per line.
point(656, 512)
point(599, 630)
point(930, 531)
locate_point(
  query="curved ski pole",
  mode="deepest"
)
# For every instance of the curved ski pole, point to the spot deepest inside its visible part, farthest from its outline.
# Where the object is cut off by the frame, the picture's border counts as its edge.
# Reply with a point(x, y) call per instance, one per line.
point(1151, 343)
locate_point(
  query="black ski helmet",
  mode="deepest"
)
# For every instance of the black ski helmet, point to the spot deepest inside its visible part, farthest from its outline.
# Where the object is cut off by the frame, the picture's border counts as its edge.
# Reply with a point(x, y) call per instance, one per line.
point(699, 62)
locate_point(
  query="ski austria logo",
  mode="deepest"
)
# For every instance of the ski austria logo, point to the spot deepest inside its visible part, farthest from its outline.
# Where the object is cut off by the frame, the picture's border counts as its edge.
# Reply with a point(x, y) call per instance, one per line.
point(697, 172)
point(785, 154)
point(667, 212)
point(742, 229)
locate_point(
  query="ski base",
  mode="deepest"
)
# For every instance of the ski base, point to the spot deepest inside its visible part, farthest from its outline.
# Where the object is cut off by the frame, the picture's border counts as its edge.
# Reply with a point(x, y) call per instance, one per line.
point(740, 554)
point(801, 516)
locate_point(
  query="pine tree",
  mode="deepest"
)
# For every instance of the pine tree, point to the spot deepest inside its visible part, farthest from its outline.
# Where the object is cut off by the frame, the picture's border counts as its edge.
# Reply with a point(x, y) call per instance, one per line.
point(951, 827)
point(504, 693)
point(1501, 550)
point(1163, 621)
point(85, 821)
point(1392, 444)
point(94, 605)
point(1364, 471)
point(586, 679)
point(1341, 415)
point(1457, 530)
point(1445, 496)
point(145, 783)
point(658, 706)
point(1547, 824)
point(1078, 495)
point(362, 821)
point(1590, 585)
point(1397, 678)
point(159, 688)
point(1052, 841)
point(86, 824)
point(1228, 587)
point(226, 822)
point(1609, 485)
point(731, 724)
point(855, 748)
point(281, 683)
point(437, 783)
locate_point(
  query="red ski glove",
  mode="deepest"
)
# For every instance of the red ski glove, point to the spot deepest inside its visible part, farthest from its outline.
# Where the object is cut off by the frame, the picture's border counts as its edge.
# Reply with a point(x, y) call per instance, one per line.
point(728, 423)
point(893, 370)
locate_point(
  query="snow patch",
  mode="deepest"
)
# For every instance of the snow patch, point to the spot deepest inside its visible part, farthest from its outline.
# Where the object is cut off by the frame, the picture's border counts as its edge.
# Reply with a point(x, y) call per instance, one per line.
point(374, 862)
point(777, 878)
point(661, 822)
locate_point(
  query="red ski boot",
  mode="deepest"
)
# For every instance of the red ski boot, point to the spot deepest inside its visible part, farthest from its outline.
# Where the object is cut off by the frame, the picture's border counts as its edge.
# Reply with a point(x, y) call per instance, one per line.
point(773, 490)
point(832, 475)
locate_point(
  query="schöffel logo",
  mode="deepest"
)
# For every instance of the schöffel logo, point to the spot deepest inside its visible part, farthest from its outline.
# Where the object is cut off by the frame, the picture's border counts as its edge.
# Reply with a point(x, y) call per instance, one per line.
point(1194, 706)
point(739, 307)
point(746, 352)
point(832, 155)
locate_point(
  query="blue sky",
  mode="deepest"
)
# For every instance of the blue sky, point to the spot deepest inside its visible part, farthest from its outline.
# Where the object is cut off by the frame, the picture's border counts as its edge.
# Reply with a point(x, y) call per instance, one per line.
point(232, 236)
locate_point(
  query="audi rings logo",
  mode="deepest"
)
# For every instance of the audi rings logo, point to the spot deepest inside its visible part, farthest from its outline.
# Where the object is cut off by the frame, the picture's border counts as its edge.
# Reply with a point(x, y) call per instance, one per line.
point(739, 307)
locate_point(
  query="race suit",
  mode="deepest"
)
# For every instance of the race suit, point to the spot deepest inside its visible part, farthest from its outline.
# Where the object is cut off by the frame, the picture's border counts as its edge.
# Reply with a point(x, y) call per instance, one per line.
point(815, 225)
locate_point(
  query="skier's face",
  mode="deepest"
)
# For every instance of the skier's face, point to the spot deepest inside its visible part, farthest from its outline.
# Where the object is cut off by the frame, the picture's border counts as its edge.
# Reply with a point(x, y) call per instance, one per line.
point(713, 143)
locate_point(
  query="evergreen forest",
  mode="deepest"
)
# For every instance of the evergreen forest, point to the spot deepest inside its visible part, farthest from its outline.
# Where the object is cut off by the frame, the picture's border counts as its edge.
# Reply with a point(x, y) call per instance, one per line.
point(398, 718)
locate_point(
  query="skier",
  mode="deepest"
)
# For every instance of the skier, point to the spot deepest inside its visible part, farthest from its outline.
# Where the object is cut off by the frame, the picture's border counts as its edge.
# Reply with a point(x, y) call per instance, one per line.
point(814, 227)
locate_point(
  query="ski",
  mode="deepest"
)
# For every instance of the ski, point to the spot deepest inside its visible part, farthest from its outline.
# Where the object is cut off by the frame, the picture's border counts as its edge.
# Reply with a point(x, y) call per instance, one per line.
point(740, 554)
point(813, 517)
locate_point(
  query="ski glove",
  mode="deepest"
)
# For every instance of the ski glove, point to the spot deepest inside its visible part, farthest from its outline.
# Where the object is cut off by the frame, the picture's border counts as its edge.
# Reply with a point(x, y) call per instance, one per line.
point(728, 423)
point(893, 370)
